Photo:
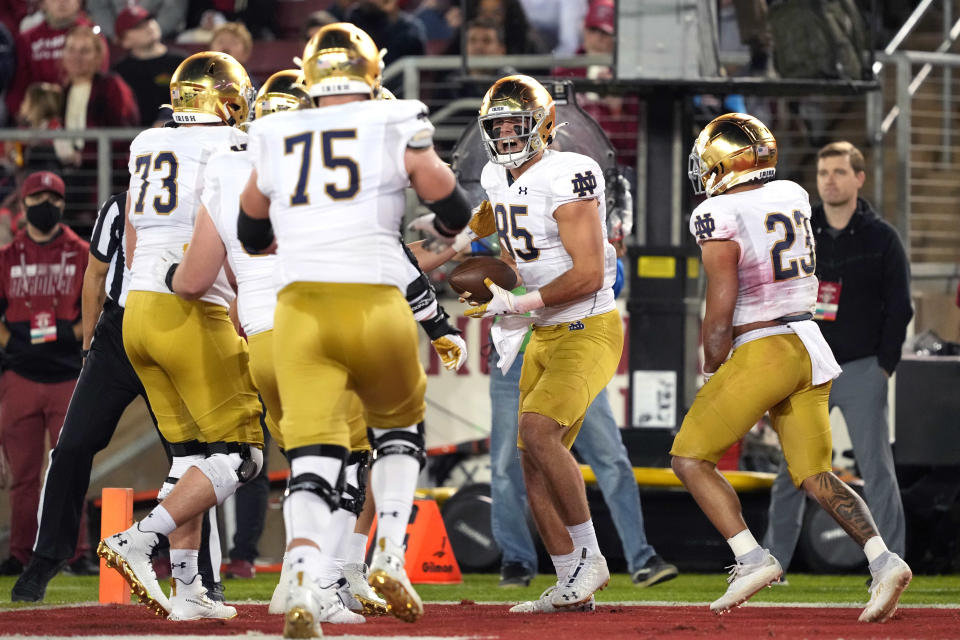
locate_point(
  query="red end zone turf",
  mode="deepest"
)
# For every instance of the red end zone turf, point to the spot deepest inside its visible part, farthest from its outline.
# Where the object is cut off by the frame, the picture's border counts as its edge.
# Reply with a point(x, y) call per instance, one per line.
point(493, 621)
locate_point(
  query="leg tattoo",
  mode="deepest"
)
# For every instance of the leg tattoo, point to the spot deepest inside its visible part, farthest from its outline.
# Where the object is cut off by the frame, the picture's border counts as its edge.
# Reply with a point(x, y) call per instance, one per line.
point(844, 505)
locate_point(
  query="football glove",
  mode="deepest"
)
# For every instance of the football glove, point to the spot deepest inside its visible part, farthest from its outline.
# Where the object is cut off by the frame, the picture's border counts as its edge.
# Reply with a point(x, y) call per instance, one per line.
point(452, 351)
point(434, 240)
point(164, 267)
point(482, 224)
point(505, 303)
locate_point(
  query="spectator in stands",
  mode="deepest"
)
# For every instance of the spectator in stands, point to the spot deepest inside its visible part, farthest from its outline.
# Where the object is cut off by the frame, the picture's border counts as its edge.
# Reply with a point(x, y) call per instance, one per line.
point(560, 31)
point(509, 14)
point(39, 49)
point(863, 309)
point(41, 109)
point(617, 114)
point(233, 38)
point(149, 65)
point(485, 37)
point(170, 14)
point(754, 25)
point(202, 33)
point(440, 18)
point(92, 99)
point(258, 16)
point(40, 336)
point(316, 20)
point(397, 31)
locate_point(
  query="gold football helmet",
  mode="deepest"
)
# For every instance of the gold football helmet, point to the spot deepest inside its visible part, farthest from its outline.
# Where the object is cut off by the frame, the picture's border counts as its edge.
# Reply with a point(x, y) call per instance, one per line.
point(283, 91)
point(341, 59)
point(733, 149)
point(385, 94)
point(530, 107)
point(210, 87)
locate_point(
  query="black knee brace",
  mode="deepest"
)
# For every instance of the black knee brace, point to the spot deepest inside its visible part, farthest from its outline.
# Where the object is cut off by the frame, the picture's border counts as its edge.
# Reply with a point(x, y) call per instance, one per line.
point(358, 494)
point(312, 482)
point(389, 444)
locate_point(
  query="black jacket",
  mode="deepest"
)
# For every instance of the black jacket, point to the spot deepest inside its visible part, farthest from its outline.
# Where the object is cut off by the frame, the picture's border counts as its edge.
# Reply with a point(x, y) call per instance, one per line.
point(869, 262)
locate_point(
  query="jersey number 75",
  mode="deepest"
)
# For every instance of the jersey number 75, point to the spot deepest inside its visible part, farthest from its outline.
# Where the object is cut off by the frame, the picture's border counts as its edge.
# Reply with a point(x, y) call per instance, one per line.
point(304, 140)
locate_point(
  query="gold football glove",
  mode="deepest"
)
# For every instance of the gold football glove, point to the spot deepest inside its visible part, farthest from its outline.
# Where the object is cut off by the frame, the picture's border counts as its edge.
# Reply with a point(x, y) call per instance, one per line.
point(483, 223)
point(452, 351)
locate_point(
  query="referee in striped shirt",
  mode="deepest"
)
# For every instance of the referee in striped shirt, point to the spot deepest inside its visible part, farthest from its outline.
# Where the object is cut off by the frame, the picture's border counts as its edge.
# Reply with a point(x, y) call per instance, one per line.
point(107, 385)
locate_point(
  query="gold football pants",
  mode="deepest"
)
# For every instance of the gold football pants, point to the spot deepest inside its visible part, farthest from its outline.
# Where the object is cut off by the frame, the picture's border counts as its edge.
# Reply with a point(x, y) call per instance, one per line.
point(265, 380)
point(566, 365)
point(194, 368)
point(336, 341)
point(768, 374)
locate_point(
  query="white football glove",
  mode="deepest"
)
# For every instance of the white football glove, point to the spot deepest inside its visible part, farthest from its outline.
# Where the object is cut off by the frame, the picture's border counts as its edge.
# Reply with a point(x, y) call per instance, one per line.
point(434, 241)
point(505, 303)
point(452, 351)
point(160, 268)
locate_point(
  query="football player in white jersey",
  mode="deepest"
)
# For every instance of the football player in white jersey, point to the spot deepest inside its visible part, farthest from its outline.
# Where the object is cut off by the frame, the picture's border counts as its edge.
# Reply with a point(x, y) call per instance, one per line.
point(551, 217)
point(330, 181)
point(759, 258)
point(190, 359)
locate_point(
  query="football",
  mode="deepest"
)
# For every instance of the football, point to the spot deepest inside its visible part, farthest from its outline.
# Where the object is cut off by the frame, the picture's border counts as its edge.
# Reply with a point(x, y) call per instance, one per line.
point(469, 275)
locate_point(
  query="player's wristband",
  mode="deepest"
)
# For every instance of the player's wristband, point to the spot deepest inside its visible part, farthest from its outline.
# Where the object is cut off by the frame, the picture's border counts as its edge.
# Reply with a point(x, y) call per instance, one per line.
point(528, 302)
point(168, 280)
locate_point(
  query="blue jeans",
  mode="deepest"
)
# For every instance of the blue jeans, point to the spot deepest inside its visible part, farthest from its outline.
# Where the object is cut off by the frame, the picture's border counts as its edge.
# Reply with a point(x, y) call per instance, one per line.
point(599, 445)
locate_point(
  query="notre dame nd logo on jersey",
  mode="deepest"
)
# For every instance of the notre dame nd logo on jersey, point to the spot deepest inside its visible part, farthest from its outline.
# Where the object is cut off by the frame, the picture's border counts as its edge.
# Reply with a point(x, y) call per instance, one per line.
point(704, 226)
point(584, 183)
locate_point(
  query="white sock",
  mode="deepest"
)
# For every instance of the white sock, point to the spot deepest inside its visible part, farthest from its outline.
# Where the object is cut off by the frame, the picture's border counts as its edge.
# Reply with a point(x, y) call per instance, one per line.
point(584, 535)
point(874, 548)
point(394, 480)
point(742, 544)
point(213, 544)
point(357, 548)
point(304, 557)
point(341, 524)
point(562, 564)
point(184, 564)
point(305, 514)
point(158, 521)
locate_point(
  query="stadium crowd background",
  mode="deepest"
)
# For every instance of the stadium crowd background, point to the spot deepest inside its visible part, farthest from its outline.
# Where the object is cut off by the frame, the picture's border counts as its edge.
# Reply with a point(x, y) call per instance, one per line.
point(104, 64)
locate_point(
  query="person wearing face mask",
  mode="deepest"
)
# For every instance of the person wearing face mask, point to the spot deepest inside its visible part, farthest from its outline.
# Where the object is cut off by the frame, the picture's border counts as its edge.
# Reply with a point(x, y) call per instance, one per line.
point(41, 278)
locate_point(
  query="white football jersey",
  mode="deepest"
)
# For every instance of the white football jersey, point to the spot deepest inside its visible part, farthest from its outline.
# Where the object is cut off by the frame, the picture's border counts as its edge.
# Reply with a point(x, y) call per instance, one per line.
point(226, 175)
point(524, 212)
point(335, 177)
point(777, 253)
point(166, 178)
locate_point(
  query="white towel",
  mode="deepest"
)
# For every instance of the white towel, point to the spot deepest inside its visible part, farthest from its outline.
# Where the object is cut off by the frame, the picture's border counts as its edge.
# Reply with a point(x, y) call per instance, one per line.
point(824, 365)
point(507, 335)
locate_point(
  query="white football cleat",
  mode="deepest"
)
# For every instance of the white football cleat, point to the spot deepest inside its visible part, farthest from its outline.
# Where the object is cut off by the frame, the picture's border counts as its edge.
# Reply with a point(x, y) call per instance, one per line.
point(189, 601)
point(278, 601)
point(129, 553)
point(302, 609)
point(588, 576)
point(334, 608)
point(745, 580)
point(888, 583)
point(357, 593)
point(544, 605)
point(389, 579)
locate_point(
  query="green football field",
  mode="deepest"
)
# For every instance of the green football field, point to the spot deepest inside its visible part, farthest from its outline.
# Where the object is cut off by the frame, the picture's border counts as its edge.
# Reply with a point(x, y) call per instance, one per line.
point(687, 588)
